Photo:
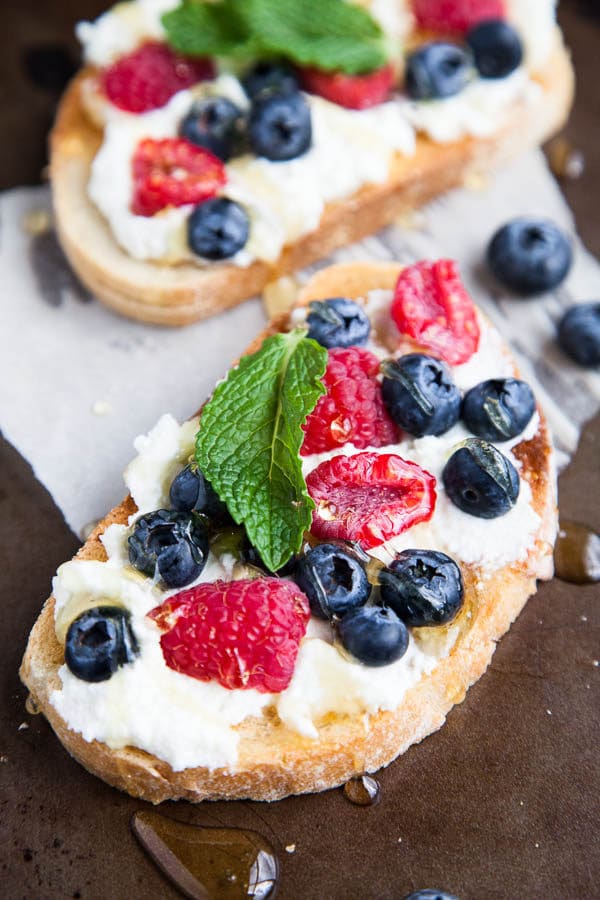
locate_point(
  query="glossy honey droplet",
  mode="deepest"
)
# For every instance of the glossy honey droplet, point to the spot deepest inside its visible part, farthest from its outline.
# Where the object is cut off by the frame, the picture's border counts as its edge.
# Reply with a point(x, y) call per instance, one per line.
point(363, 791)
point(577, 553)
point(207, 863)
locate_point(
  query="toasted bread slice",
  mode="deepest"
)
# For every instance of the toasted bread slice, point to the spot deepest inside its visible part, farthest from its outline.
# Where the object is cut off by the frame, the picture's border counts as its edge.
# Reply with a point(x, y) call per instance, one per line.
point(274, 761)
point(183, 293)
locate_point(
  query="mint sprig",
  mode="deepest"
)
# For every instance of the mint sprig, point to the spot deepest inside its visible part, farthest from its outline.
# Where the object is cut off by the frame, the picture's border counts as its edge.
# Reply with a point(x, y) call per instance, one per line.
point(333, 35)
point(249, 441)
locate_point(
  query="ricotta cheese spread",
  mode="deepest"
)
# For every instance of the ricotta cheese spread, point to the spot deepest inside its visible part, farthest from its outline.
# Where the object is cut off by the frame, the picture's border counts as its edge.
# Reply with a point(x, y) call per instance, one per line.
point(190, 723)
point(285, 200)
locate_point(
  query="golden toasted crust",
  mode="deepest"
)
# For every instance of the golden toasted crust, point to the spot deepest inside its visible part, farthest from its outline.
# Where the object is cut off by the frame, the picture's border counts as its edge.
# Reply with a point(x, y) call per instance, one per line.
point(274, 761)
point(179, 294)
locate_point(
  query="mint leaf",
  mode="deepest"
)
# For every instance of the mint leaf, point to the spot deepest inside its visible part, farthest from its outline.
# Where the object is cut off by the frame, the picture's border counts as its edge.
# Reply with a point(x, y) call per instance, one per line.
point(249, 441)
point(329, 34)
point(209, 29)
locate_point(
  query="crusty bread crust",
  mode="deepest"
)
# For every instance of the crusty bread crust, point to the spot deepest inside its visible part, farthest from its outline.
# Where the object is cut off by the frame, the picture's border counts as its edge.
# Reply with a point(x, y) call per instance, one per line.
point(273, 760)
point(184, 293)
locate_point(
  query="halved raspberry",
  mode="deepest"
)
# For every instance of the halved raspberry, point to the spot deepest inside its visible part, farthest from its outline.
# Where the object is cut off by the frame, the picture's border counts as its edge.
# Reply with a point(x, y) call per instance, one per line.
point(352, 410)
point(452, 16)
point(369, 497)
point(351, 91)
point(243, 634)
point(432, 306)
point(173, 172)
point(148, 78)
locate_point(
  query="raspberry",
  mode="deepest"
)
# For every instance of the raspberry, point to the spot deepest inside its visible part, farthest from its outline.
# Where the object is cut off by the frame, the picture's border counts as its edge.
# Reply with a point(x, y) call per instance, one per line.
point(148, 77)
point(244, 634)
point(352, 410)
point(456, 15)
point(432, 306)
point(369, 497)
point(351, 91)
point(173, 172)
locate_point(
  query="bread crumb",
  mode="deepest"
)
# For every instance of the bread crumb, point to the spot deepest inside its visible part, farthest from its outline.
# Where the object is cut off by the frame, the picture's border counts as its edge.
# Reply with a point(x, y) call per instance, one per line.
point(583, 618)
point(549, 711)
point(291, 848)
point(101, 408)
point(279, 296)
point(3, 759)
point(475, 181)
point(23, 726)
point(596, 663)
point(520, 802)
point(37, 222)
point(399, 840)
point(411, 220)
point(537, 844)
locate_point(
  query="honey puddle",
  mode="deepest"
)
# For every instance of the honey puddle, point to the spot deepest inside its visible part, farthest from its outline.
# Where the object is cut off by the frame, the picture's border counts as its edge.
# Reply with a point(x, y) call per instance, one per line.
point(577, 553)
point(362, 791)
point(208, 863)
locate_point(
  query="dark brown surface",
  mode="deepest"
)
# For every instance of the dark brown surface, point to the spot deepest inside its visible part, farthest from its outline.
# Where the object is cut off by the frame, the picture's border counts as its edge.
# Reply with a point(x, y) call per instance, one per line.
point(502, 803)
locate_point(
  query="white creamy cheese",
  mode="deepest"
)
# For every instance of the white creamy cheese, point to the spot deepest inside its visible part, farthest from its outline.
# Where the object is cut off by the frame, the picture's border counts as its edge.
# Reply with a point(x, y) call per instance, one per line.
point(479, 110)
point(535, 20)
point(187, 722)
point(121, 29)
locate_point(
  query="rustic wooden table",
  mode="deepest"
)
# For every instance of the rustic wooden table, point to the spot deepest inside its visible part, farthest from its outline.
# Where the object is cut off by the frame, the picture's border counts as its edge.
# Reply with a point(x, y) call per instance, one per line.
point(502, 803)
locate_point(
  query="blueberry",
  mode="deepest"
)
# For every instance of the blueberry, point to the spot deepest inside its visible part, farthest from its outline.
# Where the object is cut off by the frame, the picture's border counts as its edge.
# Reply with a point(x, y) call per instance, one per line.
point(279, 126)
point(423, 587)
point(333, 580)
point(190, 490)
point(437, 70)
point(216, 124)
point(270, 76)
point(419, 394)
point(480, 480)
point(430, 894)
point(530, 256)
point(218, 228)
point(498, 409)
point(338, 322)
point(170, 545)
point(98, 642)
point(496, 47)
point(579, 333)
point(374, 635)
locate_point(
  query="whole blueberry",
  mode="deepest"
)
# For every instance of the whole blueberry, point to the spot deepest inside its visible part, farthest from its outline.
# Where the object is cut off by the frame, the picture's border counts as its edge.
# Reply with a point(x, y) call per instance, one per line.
point(333, 580)
point(98, 642)
point(496, 47)
point(374, 635)
point(279, 126)
point(530, 256)
point(270, 76)
point(169, 545)
point(498, 409)
point(480, 480)
point(437, 70)
point(190, 490)
point(430, 894)
point(419, 394)
point(216, 124)
point(218, 228)
point(579, 333)
point(423, 587)
point(338, 322)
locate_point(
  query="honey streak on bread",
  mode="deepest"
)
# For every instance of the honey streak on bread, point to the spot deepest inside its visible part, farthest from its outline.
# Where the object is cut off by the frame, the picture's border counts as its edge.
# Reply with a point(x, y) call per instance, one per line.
point(273, 759)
